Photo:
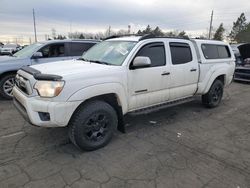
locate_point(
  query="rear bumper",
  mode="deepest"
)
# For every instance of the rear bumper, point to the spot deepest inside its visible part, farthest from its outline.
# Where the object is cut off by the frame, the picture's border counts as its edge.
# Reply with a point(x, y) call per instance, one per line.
point(242, 74)
point(31, 108)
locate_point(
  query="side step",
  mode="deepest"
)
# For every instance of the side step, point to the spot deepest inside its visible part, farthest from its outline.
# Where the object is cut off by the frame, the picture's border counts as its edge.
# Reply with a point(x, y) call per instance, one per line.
point(161, 106)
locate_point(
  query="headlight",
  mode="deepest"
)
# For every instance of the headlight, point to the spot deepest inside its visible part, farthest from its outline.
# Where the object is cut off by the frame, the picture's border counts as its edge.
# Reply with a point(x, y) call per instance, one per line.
point(49, 88)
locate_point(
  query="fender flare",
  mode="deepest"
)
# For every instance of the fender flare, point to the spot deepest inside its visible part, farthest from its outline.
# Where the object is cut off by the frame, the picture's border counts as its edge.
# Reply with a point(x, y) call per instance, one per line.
point(215, 74)
point(102, 89)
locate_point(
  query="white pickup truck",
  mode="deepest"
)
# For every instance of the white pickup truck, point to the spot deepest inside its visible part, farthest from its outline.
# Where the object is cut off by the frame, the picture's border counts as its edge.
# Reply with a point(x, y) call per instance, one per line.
point(119, 76)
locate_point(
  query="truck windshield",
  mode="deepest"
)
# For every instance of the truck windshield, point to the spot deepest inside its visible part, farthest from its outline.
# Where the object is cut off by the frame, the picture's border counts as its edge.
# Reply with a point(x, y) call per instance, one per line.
point(28, 51)
point(109, 52)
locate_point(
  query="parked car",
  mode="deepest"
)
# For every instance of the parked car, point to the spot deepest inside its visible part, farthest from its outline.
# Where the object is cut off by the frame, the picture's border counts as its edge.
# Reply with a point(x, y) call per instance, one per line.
point(120, 76)
point(41, 52)
point(9, 49)
point(242, 54)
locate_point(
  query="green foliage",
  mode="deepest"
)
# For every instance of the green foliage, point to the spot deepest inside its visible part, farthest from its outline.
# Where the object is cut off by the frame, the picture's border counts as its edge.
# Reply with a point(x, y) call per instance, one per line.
point(238, 27)
point(158, 32)
point(219, 33)
point(244, 35)
point(60, 37)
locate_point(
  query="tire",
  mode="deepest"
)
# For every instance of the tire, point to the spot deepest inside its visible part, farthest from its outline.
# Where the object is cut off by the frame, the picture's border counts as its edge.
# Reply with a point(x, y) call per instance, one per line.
point(213, 98)
point(6, 86)
point(92, 125)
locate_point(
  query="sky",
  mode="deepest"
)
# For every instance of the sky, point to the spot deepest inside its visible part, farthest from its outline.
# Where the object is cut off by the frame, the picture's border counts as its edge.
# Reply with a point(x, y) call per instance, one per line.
point(193, 16)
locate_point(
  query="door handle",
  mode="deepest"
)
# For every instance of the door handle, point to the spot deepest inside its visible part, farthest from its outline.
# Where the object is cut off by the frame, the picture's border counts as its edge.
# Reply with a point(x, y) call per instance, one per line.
point(165, 73)
point(193, 70)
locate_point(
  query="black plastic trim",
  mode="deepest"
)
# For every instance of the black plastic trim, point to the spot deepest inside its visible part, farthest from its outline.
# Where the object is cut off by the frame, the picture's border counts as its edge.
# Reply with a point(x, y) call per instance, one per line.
point(39, 76)
point(30, 70)
point(47, 77)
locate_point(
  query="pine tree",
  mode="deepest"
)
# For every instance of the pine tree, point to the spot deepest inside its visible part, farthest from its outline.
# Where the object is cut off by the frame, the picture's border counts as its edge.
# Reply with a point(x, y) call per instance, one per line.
point(157, 32)
point(244, 35)
point(238, 26)
point(148, 30)
point(219, 33)
point(183, 34)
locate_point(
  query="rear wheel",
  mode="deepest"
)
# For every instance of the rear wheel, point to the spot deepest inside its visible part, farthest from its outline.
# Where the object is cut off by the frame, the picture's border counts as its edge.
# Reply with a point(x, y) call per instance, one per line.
point(213, 97)
point(93, 125)
point(6, 86)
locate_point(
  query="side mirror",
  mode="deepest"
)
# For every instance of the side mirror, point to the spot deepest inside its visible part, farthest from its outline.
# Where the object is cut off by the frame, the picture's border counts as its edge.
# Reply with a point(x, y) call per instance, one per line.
point(141, 62)
point(37, 55)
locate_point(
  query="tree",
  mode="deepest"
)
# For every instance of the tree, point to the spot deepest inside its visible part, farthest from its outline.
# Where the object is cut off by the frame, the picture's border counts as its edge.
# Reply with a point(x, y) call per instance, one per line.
point(148, 30)
point(183, 34)
point(139, 32)
point(219, 33)
point(244, 35)
point(238, 26)
point(81, 36)
point(157, 32)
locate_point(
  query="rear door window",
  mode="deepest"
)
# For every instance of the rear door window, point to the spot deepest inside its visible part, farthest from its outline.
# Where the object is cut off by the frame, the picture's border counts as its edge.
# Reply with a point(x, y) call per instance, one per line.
point(180, 53)
point(78, 48)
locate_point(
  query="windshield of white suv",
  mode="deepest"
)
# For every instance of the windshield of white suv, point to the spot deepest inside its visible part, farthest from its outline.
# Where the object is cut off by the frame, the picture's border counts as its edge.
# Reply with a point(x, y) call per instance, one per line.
point(28, 51)
point(109, 52)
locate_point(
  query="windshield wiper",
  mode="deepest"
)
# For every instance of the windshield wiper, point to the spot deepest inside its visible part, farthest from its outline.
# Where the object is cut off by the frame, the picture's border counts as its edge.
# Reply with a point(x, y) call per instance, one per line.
point(94, 61)
point(82, 59)
point(99, 62)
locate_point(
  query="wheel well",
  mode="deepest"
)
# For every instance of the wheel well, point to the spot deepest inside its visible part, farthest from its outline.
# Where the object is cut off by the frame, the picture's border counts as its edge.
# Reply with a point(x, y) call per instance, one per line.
point(7, 73)
point(113, 101)
point(221, 78)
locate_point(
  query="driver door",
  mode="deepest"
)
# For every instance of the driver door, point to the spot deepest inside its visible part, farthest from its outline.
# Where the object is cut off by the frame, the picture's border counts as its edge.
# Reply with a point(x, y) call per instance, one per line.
point(51, 53)
point(149, 85)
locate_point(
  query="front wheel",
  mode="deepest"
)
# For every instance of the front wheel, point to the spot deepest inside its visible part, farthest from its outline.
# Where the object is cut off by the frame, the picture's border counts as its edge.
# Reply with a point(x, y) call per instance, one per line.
point(92, 126)
point(7, 83)
point(213, 98)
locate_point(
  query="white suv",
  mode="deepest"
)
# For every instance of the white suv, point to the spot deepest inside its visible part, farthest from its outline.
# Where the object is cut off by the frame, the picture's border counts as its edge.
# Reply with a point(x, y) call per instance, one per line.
point(119, 76)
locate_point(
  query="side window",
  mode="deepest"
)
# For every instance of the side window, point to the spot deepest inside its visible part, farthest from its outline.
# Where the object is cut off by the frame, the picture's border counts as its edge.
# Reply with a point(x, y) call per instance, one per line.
point(77, 48)
point(180, 53)
point(224, 52)
point(53, 50)
point(212, 51)
point(155, 52)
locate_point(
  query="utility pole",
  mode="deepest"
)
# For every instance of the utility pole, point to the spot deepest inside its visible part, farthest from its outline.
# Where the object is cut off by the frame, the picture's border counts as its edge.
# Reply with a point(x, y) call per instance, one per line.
point(211, 25)
point(109, 31)
point(34, 20)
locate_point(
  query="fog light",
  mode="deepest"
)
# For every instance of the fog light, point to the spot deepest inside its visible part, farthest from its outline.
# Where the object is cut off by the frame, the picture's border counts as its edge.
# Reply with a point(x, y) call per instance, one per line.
point(44, 116)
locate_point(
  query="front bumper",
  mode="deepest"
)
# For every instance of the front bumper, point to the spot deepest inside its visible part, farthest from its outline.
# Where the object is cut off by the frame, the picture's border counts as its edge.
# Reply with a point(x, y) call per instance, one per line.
point(30, 107)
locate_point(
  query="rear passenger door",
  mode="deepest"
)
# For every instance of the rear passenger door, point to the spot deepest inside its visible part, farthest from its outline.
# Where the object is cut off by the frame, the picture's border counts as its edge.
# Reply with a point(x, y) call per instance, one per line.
point(184, 70)
point(78, 48)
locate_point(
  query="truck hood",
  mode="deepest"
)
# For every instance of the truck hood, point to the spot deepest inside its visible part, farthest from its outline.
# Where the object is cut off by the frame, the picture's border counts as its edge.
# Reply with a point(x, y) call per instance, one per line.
point(72, 67)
